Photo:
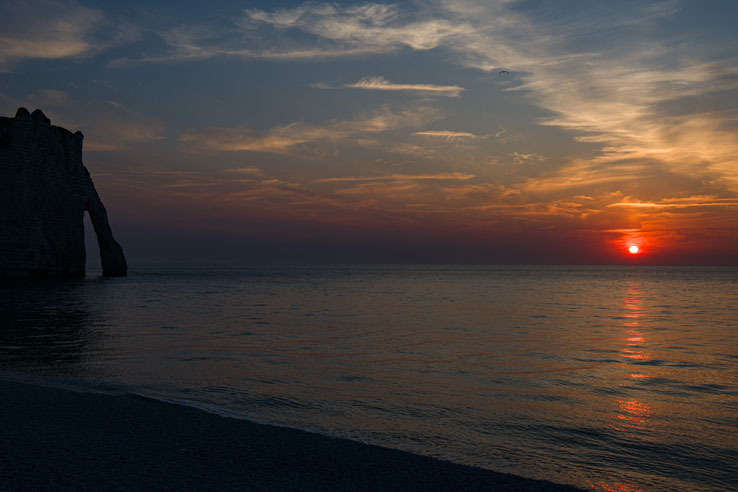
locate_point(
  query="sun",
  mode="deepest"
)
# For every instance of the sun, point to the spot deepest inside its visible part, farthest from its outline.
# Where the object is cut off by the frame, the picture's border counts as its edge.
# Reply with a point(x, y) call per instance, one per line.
point(633, 249)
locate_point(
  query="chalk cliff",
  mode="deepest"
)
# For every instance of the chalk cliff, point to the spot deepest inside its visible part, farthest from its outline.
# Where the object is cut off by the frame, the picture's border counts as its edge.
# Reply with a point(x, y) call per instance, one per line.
point(44, 192)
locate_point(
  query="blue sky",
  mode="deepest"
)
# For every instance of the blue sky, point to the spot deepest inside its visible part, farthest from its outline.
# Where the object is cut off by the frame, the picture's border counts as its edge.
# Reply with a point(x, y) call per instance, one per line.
point(459, 131)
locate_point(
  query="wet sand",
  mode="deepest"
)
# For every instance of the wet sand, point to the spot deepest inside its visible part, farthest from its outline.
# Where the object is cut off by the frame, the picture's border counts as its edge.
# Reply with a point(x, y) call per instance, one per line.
point(52, 439)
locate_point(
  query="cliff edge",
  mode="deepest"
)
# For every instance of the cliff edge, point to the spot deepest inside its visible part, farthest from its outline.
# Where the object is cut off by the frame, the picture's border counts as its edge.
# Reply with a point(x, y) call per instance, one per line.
point(44, 192)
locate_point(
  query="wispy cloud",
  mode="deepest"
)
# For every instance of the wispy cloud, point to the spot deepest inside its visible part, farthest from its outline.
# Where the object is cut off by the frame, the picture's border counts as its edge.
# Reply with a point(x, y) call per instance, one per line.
point(525, 157)
point(448, 135)
point(396, 148)
point(119, 130)
point(45, 29)
point(609, 93)
point(336, 31)
point(249, 171)
point(400, 177)
point(585, 174)
point(651, 109)
point(55, 29)
point(614, 93)
point(381, 84)
point(50, 98)
point(194, 52)
point(106, 125)
point(285, 139)
point(687, 202)
point(380, 27)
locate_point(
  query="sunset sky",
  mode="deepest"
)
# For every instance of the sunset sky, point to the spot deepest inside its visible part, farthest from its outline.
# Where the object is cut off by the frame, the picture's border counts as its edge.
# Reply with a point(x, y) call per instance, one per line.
point(445, 131)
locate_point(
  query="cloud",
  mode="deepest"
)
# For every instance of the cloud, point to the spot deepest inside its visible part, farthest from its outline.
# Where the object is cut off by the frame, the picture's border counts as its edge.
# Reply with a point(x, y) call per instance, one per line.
point(688, 202)
point(396, 148)
point(410, 149)
point(106, 125)
point(285, 139)
point(119, 130)
point(335, 32)
point(250, 170)
point(448, 135)
point(503, 136)
point(400, 177)
point(652, 109)
point(379, 27)
point(611, 91)
point(45, 29)
point(523, 158)
point(55, 29)
point(50, 98)
point(585, 174)
point(408, 195)
point(382, 84)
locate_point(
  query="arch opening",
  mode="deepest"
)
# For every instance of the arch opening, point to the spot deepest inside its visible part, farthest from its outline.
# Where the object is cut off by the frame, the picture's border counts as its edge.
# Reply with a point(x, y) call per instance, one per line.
point(93, 264)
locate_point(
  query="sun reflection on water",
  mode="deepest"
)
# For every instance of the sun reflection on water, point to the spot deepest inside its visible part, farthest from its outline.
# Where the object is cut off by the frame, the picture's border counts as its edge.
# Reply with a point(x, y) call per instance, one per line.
point(631, 416)
point(634, 339)
point(634, 414)
point(616, 487)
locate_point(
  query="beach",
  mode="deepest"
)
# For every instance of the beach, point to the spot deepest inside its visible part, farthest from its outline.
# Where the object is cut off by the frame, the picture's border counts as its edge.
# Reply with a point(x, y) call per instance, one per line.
point(60, 439)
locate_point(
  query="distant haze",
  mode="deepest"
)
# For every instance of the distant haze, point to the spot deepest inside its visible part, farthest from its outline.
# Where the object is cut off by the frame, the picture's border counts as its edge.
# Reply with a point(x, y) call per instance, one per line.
point(438, 132)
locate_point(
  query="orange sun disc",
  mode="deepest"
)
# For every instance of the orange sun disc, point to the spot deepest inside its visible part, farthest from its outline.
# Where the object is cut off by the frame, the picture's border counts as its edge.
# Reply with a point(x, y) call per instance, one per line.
point(633, 250)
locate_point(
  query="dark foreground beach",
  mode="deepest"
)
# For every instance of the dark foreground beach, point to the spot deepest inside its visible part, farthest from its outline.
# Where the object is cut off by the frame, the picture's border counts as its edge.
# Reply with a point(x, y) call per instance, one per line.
point(58, 439)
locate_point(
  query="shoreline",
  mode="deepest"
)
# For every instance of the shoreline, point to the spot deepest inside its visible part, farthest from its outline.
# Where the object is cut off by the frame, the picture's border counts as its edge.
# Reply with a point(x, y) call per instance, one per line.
point(55, 438)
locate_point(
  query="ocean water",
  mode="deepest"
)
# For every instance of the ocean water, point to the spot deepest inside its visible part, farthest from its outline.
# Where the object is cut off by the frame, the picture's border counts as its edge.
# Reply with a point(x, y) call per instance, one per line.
point(609, 378)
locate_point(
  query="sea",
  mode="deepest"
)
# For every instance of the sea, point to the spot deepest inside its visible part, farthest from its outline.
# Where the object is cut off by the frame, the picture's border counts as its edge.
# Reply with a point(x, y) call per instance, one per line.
point(611, 378)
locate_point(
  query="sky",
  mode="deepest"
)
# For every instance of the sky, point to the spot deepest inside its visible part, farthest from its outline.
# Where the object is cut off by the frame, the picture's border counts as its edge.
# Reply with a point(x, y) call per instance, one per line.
point(442, 131)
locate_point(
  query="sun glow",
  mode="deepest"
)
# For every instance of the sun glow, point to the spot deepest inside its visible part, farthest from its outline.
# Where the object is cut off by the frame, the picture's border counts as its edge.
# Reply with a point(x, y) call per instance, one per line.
point(633, 250)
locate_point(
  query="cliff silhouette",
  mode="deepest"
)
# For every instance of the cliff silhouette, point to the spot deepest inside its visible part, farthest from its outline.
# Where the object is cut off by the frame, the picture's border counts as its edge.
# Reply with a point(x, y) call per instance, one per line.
point(44, 192)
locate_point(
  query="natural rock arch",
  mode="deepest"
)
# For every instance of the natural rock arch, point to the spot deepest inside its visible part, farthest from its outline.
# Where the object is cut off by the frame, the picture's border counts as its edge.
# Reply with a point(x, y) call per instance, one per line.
point(44, 192)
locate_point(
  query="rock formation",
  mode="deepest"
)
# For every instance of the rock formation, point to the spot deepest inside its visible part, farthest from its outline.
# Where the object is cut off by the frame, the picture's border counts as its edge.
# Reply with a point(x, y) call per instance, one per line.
point(44, 192)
